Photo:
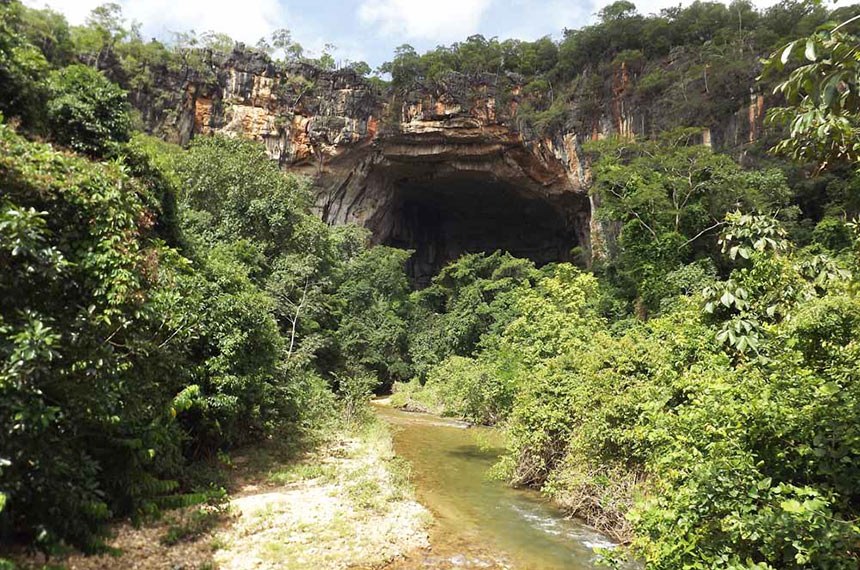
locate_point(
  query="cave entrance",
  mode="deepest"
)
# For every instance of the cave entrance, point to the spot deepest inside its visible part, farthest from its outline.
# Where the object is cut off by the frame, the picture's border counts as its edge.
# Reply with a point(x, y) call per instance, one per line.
point(444, 218)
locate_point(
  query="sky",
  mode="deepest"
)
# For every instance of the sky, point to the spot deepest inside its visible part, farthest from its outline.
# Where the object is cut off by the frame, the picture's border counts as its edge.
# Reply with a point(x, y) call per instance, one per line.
point(362, 30)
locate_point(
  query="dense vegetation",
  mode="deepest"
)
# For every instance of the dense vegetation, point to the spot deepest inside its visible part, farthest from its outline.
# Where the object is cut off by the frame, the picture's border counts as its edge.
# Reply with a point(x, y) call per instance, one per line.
point(157, 305)
point(696, 392)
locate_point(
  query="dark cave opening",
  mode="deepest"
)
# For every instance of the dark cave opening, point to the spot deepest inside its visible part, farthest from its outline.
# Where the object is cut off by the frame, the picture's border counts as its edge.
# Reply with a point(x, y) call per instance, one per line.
point(444, 218)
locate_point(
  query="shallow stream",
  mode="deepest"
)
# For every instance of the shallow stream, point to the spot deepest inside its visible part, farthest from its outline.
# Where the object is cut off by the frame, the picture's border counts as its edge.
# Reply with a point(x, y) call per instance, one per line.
point(479, 522)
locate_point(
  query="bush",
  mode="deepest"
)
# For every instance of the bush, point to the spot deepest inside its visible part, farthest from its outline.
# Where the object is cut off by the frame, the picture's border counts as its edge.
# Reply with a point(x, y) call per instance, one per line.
point(22, 68)
point(372, 296)
point(709, 454)
point(85, 419)
point(832, 233)
point(467, 299)
point(470, 389)
point(86, 112)
point(354, 389)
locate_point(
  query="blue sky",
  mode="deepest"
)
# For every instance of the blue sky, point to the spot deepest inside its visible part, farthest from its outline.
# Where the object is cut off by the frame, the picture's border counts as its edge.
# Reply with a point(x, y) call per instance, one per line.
point(361, 29)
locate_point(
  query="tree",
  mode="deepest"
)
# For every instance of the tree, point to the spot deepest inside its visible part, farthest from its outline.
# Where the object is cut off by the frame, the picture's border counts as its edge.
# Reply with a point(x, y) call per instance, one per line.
point(326, 59)
point(87, 112)
point(671, 197)
point(89, 347)
point(217, 41)
point(22, 67)
point(406, 66)
point(372, 298)
point(282, 41)
point(617, 11)
point(49, 31)
point(360, 67)
point(104, 29)
point(822, 96)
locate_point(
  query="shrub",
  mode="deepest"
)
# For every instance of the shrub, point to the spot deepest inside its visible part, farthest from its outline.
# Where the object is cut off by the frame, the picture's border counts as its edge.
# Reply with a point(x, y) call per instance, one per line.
point(86, 112)
point(354, 389)
point(471, 389)
point(832, 233)
point(85, 419)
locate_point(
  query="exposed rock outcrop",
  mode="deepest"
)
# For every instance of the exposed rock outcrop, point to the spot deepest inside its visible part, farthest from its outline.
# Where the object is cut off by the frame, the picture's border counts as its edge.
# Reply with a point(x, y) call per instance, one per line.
point(443, 169)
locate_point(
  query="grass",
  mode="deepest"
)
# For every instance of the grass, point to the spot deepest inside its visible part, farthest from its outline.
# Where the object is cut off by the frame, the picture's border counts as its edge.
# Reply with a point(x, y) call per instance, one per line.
point(196, 522)
point(342, 497)
point(302, 472)
point(400, 472)
point(365, 491)
point(372, 485)
point(348, 500)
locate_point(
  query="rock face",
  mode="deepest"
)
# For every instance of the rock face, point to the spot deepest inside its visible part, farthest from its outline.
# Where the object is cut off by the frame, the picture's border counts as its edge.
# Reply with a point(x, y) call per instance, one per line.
point(443, 169)
point(452, 184)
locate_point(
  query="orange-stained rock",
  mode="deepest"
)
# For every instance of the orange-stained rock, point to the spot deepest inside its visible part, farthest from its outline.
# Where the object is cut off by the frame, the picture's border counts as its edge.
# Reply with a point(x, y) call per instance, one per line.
point(202, 115)
point(755, 113)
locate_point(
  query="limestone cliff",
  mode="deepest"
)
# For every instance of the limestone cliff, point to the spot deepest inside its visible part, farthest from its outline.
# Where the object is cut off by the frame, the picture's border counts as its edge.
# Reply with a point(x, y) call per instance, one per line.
point(442, 168)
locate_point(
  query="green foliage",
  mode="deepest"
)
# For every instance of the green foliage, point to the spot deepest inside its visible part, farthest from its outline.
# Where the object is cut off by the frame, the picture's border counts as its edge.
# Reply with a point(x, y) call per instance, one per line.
point(822, 96)
point(527, 316)
point(472, 389)
point(86, 112)
point(199, 520)
point(372, 297)
point(22, 67)
point(282, 40)
point(355, 389)
point(168, 304)
point(84, 420)
point(721, 432)
point(466, 300)
point(706, 428)
point(261, 263)
point(832, 234)
point(670, 197)
point(122, 359)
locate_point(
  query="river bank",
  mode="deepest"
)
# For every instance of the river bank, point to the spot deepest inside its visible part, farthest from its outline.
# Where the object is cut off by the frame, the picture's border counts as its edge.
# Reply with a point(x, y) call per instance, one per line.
point(352, 501)
point(481, 522)
point(348, 503)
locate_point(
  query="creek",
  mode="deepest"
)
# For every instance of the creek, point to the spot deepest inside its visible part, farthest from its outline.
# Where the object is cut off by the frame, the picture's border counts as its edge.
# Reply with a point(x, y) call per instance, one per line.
point(481, 522)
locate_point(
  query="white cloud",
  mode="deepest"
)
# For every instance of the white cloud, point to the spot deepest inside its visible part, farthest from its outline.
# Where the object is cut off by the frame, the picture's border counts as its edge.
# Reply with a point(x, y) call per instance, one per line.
point(246, 21)
point(440, 21)
point(74, 10)
point(547, 18)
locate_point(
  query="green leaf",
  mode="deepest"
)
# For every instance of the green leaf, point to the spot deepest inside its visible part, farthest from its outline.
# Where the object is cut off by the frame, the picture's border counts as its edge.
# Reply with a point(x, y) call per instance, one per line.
point(791, 506)
point(786, 53)
point(810, 49)
point(829, 388)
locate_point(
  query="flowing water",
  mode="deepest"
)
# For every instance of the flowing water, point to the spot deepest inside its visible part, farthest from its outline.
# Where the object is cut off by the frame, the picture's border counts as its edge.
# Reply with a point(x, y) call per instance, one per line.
point(479, 522)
